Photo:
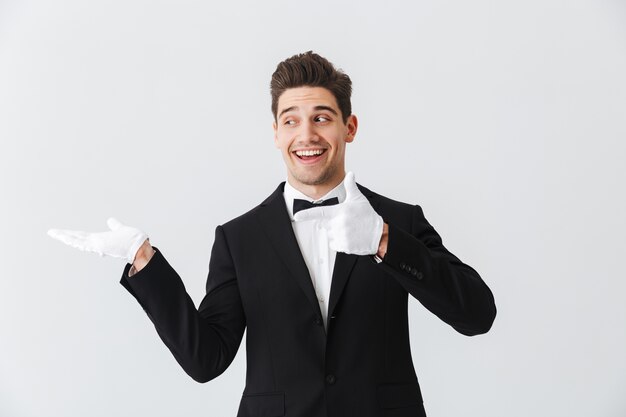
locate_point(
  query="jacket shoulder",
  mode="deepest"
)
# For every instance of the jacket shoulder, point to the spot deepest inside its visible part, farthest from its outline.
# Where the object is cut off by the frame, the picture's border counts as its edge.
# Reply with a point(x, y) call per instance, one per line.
point(388, 208)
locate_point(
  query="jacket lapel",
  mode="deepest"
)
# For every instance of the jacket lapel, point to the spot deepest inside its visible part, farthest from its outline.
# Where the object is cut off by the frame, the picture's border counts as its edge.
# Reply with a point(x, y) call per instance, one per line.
point(275, 220)
point(341, 272)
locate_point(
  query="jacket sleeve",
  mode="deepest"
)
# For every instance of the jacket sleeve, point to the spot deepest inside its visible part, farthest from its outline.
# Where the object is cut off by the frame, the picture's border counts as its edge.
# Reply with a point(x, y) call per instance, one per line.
point(204, 341)
point(446, 286)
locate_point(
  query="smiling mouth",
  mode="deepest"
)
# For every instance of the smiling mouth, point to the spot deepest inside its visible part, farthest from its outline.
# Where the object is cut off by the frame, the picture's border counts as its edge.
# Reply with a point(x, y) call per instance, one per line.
point(309, 154)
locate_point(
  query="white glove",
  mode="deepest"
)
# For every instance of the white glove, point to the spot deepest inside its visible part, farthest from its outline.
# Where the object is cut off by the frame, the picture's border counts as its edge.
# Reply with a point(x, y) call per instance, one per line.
point(353, 226)
point(121, 242)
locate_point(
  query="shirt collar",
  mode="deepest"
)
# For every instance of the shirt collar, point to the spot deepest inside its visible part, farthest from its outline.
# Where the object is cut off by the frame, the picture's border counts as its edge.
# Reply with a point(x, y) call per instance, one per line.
point(290, 193)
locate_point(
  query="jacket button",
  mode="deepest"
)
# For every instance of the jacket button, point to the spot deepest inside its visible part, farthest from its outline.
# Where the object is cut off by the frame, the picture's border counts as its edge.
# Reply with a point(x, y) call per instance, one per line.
point(319, 321)
point(402, 266)
point(330, 379)
point(419, 275)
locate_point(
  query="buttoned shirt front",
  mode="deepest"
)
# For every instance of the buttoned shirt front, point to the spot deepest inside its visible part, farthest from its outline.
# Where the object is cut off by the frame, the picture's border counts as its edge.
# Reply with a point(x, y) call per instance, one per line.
point(313, 242)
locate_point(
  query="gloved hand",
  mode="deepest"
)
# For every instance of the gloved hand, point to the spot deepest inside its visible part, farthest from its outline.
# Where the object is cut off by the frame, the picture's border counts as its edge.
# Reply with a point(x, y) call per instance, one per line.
point(353, 226)
point(120, 242)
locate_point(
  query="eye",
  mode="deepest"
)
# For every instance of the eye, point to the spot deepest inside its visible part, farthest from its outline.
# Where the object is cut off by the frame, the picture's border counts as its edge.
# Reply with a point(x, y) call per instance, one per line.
point(289, 122)
point(322, 119)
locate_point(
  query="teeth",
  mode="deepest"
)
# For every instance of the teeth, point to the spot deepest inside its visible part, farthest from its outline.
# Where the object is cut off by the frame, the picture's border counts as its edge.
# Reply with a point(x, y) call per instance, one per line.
point(310, 153)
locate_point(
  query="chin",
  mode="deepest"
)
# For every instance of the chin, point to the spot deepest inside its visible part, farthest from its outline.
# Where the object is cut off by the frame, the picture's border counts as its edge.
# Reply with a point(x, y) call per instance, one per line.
point(314, 179)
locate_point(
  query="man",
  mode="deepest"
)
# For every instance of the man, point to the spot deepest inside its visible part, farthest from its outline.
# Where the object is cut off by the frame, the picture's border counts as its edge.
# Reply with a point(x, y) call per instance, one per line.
point(319, 273)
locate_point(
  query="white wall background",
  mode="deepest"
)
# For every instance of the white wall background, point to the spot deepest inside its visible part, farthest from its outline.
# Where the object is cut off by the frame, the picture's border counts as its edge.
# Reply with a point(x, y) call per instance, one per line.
point(504, 120)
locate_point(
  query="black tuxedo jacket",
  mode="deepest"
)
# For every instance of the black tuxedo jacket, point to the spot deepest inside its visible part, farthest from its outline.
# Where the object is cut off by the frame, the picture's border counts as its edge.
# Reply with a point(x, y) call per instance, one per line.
point(361, 365)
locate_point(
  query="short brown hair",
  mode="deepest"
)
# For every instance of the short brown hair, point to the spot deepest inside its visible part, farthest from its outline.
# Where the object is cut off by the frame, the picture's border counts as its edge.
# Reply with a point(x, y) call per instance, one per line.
point(311, 70)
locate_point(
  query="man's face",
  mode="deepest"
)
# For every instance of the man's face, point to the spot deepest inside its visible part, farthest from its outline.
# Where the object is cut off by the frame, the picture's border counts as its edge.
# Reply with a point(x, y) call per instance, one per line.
point(310, 132)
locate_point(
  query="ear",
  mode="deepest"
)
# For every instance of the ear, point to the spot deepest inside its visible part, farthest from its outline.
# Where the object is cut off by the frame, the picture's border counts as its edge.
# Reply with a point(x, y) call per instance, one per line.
point(275, 127)
point(352, 125)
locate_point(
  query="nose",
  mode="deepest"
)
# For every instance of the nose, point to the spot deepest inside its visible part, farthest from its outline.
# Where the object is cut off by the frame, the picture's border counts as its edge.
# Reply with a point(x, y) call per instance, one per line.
point(307, 131)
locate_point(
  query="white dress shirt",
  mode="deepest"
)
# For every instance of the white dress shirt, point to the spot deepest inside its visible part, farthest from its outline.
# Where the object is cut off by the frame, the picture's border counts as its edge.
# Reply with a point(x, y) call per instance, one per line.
point(313, 242)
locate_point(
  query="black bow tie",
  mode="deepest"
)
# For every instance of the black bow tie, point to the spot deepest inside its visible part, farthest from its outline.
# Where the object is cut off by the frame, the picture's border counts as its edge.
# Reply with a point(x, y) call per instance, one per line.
point(304, 204)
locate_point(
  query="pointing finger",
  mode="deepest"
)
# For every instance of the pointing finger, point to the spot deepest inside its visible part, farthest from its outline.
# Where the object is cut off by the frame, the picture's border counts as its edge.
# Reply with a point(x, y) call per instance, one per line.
point(309, 214)
point(76, 234)
point(113, 223)
point(53, 233)
point(315, 213)
point(349, 183)
point(69, 237)
point(59, 234)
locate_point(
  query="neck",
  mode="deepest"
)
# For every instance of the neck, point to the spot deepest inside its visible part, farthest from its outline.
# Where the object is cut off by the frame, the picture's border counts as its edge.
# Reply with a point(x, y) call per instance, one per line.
point(315, 191)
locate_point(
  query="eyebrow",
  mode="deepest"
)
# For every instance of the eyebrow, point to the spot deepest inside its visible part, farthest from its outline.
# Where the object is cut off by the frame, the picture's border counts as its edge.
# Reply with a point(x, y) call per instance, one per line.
point(316, 108)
